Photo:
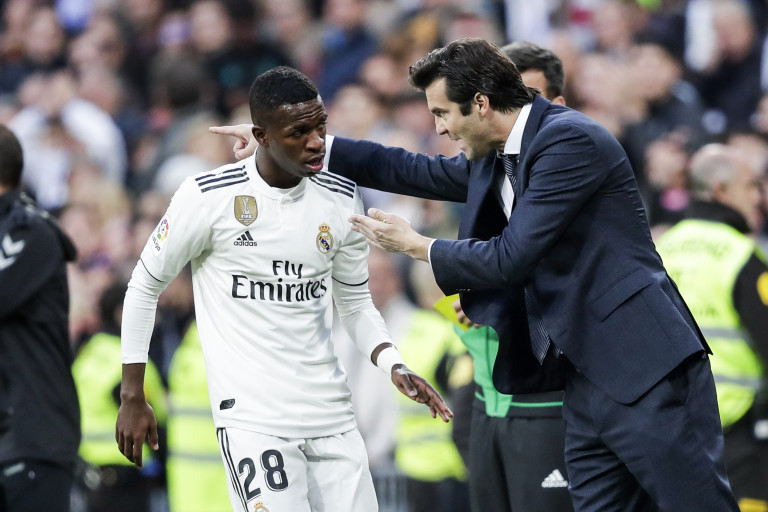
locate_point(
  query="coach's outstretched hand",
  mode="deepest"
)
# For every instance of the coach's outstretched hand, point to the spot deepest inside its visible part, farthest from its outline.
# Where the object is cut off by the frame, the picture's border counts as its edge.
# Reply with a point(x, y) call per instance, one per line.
point(418, 389)
point(391, 233)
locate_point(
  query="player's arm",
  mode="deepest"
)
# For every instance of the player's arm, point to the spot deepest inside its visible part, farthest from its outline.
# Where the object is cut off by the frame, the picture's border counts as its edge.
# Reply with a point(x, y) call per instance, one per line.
point(366, 327)
point(181, 235)
point(135, 419)
point(364, 324)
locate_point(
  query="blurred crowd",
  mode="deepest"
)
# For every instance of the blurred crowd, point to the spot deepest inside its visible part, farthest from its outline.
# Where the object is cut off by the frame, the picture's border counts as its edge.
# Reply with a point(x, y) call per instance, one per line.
point(112, 100)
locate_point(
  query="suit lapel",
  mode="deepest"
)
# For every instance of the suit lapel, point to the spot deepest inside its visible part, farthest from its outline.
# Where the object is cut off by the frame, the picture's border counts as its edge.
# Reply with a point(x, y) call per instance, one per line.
point(539, 107)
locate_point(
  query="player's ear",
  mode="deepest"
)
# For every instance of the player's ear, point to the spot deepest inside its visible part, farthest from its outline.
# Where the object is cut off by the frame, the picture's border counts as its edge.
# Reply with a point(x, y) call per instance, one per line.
point(260, 134)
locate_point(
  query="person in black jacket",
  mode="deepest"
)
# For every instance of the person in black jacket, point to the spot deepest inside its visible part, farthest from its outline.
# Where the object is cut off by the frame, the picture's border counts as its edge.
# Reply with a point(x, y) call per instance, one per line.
point(39, 412)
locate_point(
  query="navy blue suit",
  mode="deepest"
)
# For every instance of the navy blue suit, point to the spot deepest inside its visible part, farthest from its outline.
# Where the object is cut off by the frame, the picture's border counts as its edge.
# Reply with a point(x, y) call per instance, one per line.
point(578, 241)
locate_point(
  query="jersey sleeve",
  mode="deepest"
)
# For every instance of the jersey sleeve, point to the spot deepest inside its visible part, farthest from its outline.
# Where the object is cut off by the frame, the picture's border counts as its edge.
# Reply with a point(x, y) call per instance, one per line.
point(182, 234)
point(357, 314)
point(350, 264)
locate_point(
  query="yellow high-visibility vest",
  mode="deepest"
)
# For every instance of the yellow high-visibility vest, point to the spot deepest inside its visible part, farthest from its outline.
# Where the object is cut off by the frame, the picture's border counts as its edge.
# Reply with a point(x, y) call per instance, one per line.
point(97, 372)
point(197, 481)
point(704, 258)
point(424, 447)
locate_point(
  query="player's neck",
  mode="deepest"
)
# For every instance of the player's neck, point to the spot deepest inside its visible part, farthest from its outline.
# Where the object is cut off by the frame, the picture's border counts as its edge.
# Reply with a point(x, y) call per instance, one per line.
point(271, 172)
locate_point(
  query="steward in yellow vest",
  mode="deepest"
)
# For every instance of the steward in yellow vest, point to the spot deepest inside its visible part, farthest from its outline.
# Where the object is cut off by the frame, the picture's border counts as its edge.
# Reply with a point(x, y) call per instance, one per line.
point(425, 452)
point(197, 481)
point(723, 278)
point(121, 486)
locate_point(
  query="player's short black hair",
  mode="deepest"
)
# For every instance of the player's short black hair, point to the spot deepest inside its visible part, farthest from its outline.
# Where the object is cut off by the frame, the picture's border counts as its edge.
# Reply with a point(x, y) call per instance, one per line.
point(11, 158)
point(472, 66)
point(527, 56)
point(278, 86)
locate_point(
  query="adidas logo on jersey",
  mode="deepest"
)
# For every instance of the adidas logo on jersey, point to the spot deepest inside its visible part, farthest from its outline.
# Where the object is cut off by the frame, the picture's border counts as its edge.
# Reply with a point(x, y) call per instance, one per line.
point(555, 479)
point(246, 240)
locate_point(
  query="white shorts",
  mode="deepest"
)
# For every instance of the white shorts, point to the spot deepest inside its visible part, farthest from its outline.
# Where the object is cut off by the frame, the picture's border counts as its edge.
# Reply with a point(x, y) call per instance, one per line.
point(276, 474)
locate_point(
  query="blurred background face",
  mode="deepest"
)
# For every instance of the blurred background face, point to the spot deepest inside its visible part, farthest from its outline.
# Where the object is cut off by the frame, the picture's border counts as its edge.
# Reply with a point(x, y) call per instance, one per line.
point(654, 72)
point(734, 28)
point(211, 27)
point(743, 195)
point(44, 39)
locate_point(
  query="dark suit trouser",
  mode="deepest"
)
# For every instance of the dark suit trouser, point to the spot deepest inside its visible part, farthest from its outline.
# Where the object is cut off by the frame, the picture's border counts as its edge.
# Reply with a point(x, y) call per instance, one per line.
point(662, 452)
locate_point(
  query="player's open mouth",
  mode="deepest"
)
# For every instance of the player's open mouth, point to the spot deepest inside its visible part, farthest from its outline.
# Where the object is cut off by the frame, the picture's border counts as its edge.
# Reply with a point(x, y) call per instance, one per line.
point(316, 164)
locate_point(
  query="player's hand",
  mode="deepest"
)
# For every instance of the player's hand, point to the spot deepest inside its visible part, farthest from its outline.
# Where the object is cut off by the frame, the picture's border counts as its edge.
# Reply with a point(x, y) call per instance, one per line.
point(462, 316)
point(420, 390)
point(135, 422)
point(246, 143)
point(392, 233)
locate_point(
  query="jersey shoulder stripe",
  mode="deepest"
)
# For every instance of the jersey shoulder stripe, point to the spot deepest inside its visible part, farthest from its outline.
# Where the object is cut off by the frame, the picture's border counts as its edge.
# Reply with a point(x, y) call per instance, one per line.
point(331, 182)
point(224, 178)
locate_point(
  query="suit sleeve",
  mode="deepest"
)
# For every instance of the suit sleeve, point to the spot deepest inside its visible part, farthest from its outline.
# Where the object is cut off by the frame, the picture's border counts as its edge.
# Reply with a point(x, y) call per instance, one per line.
point(565, 172)
point(398, 171)
point(29, 256)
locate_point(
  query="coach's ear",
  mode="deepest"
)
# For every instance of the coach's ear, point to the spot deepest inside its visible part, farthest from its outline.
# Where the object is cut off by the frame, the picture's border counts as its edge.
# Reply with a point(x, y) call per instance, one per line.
point(260, 134)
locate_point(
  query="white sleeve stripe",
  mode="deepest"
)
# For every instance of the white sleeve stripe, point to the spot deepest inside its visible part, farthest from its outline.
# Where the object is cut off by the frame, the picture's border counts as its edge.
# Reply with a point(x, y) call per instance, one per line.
point(349, 284)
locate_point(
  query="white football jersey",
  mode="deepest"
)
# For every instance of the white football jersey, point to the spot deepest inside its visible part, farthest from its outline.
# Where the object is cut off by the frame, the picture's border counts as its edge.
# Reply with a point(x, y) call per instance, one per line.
point(264, 264)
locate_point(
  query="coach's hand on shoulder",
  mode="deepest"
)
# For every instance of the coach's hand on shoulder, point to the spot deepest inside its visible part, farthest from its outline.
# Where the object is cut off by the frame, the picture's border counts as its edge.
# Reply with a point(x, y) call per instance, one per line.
point(246, 143)
point(418, 389)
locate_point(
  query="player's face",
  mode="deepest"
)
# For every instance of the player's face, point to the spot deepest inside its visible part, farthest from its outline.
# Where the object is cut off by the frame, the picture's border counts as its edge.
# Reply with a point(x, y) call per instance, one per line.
point(449, 120)
point(296, 138)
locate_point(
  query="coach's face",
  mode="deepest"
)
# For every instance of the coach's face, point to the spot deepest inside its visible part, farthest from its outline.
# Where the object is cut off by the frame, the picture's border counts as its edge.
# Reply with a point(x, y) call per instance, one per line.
point(476, 142)
point(295, 137)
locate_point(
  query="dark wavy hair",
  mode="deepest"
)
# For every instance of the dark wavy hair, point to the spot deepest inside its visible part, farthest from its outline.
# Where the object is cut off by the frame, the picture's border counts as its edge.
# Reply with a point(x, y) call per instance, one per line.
point(472, 66)
point(278, 86)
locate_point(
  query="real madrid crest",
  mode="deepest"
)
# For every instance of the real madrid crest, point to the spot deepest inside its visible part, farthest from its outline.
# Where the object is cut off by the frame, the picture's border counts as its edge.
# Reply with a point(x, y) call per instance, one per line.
point(324, 239)
point(245, 210)
point(260, 507)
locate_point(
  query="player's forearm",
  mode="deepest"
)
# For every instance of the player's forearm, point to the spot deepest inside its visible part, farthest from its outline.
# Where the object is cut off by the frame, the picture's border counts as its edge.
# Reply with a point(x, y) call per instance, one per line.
point(132, 383)
point(139, 310)
point(359, 317)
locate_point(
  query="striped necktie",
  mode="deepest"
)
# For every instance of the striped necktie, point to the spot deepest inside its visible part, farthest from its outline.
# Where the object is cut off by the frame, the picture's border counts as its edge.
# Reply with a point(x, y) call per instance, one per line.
point(539, 338)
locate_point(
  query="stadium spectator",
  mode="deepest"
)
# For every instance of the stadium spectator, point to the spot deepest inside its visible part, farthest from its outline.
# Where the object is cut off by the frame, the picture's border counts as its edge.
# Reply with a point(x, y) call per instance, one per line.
point(723, 277)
